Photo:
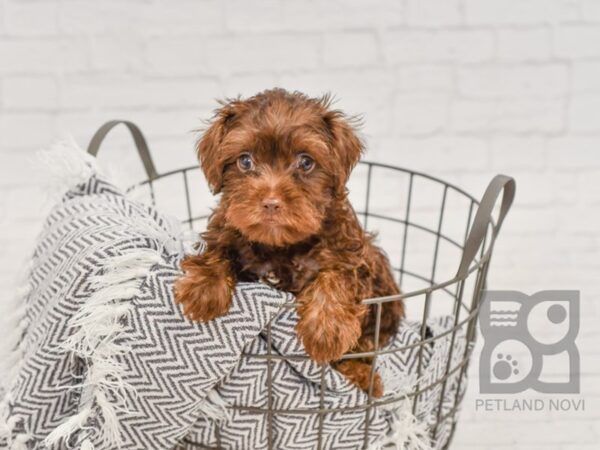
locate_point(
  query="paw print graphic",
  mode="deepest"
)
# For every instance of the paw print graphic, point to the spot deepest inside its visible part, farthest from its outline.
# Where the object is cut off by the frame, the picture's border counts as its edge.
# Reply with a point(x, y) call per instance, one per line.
point(523, 336)
point(505, 367)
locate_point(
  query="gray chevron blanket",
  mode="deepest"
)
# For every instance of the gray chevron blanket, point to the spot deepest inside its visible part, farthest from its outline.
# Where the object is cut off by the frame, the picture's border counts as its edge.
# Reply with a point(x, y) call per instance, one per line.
point(102, 358)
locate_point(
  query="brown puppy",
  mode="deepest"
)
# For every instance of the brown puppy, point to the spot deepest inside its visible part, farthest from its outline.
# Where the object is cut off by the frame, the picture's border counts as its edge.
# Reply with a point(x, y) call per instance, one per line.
point(281, 161)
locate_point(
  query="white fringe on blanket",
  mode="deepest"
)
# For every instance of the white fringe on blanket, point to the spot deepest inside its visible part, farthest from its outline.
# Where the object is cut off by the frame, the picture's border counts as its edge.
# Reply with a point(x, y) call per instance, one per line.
point(14, 325)
point(67, 166)
point(407, 433)
point(98, 324)
point(10, 348)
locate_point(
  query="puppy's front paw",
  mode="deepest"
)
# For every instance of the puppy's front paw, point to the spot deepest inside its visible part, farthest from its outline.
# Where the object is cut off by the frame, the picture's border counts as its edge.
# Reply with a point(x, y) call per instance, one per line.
point(329, 323)
point(325, 339)
point(205, 290)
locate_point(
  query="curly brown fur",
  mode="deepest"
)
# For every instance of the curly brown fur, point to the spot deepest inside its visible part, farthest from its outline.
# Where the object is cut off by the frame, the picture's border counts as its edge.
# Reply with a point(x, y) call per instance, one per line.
point(281, 161)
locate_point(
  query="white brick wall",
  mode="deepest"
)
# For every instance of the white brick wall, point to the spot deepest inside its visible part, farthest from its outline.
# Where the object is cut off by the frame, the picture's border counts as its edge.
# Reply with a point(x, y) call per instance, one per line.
point(462, 89)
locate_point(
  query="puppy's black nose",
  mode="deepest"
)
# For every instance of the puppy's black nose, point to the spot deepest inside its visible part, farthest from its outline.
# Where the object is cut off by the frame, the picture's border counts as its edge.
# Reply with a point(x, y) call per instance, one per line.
point(271, 204)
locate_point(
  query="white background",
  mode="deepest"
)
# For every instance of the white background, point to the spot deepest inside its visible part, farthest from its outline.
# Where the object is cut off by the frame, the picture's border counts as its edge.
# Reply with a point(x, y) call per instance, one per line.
point(461, 89)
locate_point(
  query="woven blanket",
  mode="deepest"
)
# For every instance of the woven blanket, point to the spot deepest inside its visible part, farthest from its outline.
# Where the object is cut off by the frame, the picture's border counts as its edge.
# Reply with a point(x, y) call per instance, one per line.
point(102, 357)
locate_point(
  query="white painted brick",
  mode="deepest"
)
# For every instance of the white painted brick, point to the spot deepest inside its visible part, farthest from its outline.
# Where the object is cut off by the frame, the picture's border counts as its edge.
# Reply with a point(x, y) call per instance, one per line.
point(26, 130)
point(424, 78)
point(31, 18)
point(118, 53)
point(122, 93)
point(528, 434)
point(341, 14)
point(517, 153)
point(433, 12)
point(535, 189)
point(30, 93)
point(261, 15)
point(2, 22)
point(165, 124)
point(471, 116)
point(586, 77)
point(436, 155)
point(589, 187)
point(173, 123)
point(590, 10)
point(108, 16)
point(20, 245)
point(351, 88)
point(524, 44)
point(173, 154)
point(254, 53)
point(80, 124)
point(569, 432)
point(181, 55)
point(364, 92)
point(565, 186)
point(518, 115)
point(42, 55)
point(513, 81)
point(534, 221)
point(120, 160)
point(17, 170)
point(350, 49)
point(184, 17)
point(226, 55)
point(583, 113)
point(571, 153)
point(403, 46)
point(420, 113)
point(27, 203)
point(478, 433)
point(530, 115)
point(577, 41)
point(247, 85)
point(580, 446)
point(576, 219)
point(491, 12)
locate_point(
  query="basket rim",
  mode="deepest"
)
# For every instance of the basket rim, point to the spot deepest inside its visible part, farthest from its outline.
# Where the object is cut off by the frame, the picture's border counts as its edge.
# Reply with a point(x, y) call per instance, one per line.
point(435, 286)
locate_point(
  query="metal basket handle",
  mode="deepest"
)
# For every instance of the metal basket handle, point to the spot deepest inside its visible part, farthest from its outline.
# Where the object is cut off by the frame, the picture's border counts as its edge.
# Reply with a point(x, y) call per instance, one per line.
point(138, 139)
point(500, 183)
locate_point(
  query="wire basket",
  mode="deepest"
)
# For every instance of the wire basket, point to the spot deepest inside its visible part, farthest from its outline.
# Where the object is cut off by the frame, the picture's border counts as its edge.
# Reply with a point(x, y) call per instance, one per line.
point(439, 240)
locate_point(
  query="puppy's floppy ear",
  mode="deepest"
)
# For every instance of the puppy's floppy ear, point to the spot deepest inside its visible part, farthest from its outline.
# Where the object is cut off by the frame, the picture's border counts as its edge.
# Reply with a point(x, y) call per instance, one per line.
point(212, 158)
point(345, 144)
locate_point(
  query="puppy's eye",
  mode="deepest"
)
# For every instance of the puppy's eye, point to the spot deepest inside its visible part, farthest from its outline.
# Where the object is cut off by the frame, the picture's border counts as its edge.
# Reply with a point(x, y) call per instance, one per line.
point(306, 163)
point(245, 162)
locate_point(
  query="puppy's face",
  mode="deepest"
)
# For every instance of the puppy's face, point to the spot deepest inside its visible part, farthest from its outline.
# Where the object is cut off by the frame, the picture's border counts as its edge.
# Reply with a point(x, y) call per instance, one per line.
point(279, 159)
